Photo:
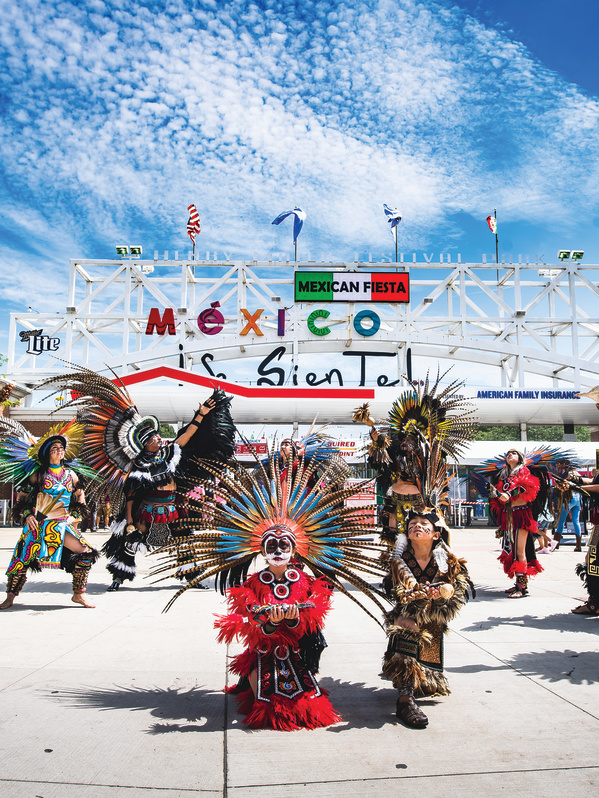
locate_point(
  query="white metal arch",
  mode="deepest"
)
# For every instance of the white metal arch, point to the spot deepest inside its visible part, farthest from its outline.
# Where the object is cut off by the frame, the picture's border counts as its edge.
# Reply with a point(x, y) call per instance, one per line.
point(520, 318)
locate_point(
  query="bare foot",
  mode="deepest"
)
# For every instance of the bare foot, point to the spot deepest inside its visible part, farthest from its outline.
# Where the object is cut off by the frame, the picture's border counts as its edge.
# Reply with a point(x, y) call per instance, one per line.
point(8, 601)
point(79, 598)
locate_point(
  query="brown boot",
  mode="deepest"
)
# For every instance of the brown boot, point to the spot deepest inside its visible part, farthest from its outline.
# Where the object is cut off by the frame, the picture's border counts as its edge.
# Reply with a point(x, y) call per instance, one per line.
point(578, 546)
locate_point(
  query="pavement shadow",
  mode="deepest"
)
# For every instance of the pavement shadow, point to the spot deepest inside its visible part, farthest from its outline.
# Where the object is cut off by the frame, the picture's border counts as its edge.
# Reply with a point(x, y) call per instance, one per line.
point(177, 710)
point(576, 667)
point(563, 622)
point(360, 707)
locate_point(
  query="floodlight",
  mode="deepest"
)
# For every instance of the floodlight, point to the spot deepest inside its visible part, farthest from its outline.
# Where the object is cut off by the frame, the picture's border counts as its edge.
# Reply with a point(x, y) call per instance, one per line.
point(520, 313)
point(563, 254)
point(577, 254)
point(135, 251)
point(147, 268)
point(122, 251)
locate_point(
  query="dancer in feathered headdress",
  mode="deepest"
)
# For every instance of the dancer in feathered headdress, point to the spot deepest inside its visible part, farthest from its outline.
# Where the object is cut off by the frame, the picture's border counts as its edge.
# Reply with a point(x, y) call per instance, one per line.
point(279, 612)
point(148, 479)
point(427, 581)
point(518, 486)
point(50, 501)
point(425, 425)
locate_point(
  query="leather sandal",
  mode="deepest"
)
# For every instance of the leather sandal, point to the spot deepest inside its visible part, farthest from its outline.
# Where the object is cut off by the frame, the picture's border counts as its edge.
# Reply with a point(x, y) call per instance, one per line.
point(519, 592)
point(410, 713)
point(510, 590)
point(586, 609)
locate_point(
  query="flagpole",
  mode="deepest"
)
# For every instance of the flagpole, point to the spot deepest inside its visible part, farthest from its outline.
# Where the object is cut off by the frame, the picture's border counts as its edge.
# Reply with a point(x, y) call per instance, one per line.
point(396, 255)
point(496, 239)
point(295, 245)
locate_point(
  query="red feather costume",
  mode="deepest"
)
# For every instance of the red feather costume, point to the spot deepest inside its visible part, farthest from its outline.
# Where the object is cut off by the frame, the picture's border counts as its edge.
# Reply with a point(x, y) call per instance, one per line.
point(288, 696)
point(521, 485)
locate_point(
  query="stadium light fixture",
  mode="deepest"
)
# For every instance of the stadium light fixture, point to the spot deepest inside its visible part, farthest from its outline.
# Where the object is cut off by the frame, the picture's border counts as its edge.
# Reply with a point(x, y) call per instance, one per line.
point(577, 254)
point(563, 254)
point(135, 251)
point(122, 251)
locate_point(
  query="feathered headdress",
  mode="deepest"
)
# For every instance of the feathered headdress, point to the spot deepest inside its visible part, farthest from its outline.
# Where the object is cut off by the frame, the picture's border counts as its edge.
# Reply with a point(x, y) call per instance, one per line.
point(115, 432)
point(541, 462)
point(22, 455)
point(247, 505)
point(425, 425)
point(545, 457)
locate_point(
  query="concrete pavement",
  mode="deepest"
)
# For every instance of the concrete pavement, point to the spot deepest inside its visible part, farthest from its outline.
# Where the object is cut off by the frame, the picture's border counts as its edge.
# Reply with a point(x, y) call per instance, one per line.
point(124, 700)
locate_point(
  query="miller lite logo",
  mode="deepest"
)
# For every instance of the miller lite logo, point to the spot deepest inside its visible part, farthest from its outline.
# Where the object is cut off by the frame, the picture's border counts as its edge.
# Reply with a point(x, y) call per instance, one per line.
point(37, 342)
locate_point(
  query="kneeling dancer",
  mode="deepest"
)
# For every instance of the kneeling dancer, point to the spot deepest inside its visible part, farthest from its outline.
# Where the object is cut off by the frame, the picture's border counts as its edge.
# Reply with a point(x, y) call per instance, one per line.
point(430, 585)
point(278, 613)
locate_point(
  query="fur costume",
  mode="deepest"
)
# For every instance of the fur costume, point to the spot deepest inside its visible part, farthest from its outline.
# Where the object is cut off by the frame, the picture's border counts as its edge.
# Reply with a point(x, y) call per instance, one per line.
point(415, 658)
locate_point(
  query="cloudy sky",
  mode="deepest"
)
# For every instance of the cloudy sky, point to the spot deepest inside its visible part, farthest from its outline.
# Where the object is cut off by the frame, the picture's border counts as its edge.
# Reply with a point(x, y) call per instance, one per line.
point(116, 115)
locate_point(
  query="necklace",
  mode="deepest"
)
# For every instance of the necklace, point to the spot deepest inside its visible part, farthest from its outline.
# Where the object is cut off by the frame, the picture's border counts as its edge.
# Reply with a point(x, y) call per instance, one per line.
point(282, 588)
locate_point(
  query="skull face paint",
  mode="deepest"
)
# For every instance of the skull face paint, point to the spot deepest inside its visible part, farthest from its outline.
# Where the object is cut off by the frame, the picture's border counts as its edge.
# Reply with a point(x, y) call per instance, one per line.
point(278, 550)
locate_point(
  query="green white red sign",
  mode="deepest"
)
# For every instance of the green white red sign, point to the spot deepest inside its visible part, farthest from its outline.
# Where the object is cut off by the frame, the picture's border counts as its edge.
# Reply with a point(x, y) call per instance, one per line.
point(352, 287)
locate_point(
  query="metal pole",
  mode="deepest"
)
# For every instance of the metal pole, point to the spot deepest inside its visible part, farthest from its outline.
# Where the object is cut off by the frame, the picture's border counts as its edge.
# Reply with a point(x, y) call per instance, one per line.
point(295, 245)
point(396, 256)
point(496, 238)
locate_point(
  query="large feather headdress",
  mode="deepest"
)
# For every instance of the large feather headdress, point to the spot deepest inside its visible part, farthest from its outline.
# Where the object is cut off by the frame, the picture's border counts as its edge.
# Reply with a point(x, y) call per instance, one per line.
point(21, 454)
point(114, 429)
point(331, 538)
point(425, 426)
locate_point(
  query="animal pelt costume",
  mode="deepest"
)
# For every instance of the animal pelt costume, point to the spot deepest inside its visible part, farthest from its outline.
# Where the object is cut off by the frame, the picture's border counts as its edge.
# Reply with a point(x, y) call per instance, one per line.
point(113, 443)
point(415, 658)
point(247, 508)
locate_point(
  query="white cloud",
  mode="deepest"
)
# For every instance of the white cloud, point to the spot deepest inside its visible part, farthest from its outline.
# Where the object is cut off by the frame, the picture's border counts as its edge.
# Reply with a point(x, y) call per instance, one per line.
point(119, 114)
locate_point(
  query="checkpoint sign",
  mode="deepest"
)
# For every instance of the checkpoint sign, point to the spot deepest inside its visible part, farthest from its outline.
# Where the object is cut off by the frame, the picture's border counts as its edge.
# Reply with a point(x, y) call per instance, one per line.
point(352, 287)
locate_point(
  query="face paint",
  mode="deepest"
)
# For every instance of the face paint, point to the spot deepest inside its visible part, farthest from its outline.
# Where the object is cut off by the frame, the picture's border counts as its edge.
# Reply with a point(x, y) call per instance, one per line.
point(278, 550)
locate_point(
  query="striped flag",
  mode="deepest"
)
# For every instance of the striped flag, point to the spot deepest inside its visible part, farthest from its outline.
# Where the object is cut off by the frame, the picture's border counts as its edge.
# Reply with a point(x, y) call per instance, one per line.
point(492, 222)
point(193, 223)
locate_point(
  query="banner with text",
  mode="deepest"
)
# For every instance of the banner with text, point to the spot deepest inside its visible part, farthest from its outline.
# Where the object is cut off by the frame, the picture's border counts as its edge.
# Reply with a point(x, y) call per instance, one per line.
point(352, 287)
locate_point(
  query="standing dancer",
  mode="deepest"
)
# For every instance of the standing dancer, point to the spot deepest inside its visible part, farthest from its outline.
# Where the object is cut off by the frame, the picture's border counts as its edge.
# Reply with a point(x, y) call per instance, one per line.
point(425, 579)
point(430, 585)
point(147, 479)
point(518, 486)
point(278, 613)
point(49, 502)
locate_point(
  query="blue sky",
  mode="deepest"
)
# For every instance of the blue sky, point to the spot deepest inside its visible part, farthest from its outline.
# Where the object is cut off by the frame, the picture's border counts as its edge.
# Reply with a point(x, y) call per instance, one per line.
point(116, 115)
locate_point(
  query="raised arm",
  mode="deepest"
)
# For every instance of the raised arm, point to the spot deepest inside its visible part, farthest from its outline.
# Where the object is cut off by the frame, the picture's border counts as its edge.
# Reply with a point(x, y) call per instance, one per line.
point(192, 427)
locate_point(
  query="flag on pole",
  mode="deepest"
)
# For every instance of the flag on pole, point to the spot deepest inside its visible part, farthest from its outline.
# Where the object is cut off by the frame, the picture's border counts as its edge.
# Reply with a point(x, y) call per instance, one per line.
point(193, 223)
point(394, 218)
point(492, 222)
point(299, 216)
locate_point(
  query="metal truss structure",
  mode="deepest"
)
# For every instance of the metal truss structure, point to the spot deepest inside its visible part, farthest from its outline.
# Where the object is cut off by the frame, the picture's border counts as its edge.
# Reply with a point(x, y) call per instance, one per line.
point(522, 319)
